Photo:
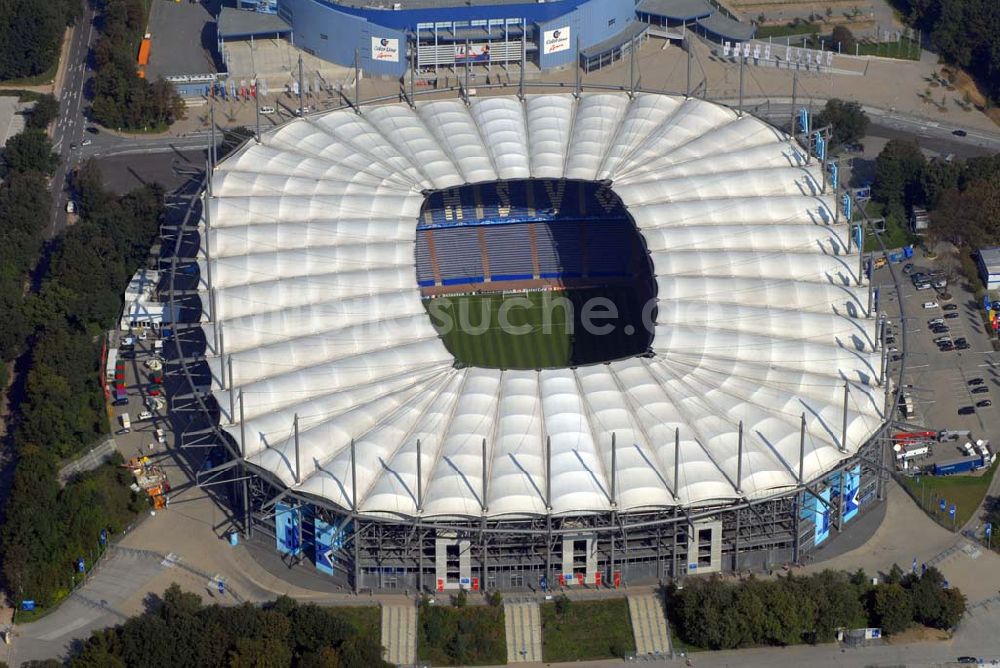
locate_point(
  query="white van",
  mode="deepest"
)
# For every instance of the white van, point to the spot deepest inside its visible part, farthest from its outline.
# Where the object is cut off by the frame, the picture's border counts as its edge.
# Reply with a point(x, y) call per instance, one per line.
point(70, 206)
point(126, 423)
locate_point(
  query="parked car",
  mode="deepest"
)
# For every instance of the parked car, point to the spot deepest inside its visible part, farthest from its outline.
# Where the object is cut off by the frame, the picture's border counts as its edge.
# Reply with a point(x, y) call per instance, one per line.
point(981, 389)
point(985, 403)
point(929, 305)
point(161, 436)
point(966, 410)
point(86, 142)
point(961, 346)
point(950, 307)
point(145, 415)
point(908, 267)
point(976, 381)
point(951, 316)
point(961, 133)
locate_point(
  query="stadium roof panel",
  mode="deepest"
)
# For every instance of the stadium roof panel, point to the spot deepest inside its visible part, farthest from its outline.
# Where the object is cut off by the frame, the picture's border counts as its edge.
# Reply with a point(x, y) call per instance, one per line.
point(761, 319)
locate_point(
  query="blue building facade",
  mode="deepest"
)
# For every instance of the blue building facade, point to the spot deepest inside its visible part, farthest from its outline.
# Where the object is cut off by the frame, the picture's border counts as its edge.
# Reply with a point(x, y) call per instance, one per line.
point(545, 33)
point(384, 38)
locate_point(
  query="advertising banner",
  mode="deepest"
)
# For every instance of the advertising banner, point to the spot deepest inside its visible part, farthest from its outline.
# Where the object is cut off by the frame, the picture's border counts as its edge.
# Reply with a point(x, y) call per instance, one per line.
point(818, 513)
point(328, 541)
point(385, 49)
point(287, 529)
point(472, 53)
point(852, 488)
point(554, 41)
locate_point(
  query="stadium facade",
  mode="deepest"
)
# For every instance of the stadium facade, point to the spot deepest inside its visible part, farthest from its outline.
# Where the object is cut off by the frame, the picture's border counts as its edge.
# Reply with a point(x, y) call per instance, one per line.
point(387, 38)
point(747, 431)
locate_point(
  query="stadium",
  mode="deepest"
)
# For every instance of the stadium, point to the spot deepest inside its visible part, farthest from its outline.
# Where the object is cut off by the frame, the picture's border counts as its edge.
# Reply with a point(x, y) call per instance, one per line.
point(526, 341)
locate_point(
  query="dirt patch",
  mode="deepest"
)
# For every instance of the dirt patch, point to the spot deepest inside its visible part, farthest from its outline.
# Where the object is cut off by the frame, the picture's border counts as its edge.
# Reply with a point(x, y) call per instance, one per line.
point(967, 89)
point(919, 634)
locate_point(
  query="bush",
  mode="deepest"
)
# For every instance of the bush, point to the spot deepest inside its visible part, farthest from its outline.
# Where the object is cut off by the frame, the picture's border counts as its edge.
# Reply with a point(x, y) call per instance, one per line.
point(30, 151)
point(461, 636)
point(843, 37)
point(45, 111)
point(183, 632)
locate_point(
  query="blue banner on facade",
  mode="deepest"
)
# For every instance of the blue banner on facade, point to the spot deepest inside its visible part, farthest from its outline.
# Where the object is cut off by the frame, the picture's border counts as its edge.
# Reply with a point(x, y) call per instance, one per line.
point(852, 489)
point(287, 529)
point(328, 542)
point(817, 512)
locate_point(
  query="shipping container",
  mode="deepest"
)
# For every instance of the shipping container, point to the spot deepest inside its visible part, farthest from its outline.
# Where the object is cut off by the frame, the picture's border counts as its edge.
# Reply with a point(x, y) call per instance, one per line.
point(963, 465)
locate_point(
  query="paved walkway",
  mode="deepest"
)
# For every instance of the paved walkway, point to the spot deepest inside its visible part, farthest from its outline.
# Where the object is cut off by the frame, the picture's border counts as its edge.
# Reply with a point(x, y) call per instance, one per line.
point(523, 623)
point(649, 625)
point(399, 633)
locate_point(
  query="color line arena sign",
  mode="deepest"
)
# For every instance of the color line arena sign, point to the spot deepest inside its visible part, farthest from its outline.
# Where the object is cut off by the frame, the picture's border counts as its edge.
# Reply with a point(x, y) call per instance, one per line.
point(384, 48)
point(556, 40)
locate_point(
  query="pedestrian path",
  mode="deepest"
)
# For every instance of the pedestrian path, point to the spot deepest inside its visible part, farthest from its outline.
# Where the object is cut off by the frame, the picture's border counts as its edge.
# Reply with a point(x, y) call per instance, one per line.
point(649, 625)
point(399, 634)
point(523, 623)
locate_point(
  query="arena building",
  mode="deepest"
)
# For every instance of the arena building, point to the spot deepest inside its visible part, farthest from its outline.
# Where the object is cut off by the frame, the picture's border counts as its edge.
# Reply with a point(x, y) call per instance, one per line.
point(387, 38)
point(731, 418)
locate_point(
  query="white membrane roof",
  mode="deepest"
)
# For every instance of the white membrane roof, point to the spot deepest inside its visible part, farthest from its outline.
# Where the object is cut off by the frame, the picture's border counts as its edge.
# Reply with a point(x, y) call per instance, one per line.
point(761, 318)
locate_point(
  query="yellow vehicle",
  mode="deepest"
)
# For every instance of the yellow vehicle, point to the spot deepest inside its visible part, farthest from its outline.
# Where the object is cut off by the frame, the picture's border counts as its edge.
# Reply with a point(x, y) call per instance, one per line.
point(881, 261)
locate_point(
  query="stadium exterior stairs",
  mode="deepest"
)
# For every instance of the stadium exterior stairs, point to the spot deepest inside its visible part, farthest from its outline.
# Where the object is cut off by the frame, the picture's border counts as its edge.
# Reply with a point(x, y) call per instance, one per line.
point(649, 625)
point(523, 622)
point(399, 634)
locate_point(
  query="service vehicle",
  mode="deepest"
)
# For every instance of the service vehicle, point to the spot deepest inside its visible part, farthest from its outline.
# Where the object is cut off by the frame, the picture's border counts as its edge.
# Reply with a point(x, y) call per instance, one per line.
point(929, 305)
point(145, 415)
point(161, 436)
point(126, 423)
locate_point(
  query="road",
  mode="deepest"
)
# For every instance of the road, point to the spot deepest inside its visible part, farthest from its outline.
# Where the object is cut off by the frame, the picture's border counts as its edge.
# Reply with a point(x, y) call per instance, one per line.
point(890, 124)
point(71, 126)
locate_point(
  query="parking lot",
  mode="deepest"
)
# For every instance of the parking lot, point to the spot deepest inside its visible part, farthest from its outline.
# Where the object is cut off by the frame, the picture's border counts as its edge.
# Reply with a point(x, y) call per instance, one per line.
point(939, 380)
point(145, 404)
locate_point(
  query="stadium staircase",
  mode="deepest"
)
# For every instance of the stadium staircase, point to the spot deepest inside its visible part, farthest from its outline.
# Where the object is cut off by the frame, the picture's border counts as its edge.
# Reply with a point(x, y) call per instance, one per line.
point(523, 622)
point(649, 625)
point(399, 634)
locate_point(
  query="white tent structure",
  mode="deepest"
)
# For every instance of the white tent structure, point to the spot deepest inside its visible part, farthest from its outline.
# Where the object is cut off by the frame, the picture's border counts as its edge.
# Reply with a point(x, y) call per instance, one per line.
point(325, 364)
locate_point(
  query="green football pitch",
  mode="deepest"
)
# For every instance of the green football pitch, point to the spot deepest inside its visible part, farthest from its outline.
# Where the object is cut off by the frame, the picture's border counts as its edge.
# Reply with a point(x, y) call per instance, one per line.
point(537, 330)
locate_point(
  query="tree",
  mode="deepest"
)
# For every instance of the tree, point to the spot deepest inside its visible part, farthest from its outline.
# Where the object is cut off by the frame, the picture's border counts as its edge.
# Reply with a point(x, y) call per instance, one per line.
point(891, 608)
point(30, 151)
point(45, 111)
point(849, 121)
point(843, 37)
point(970, 217)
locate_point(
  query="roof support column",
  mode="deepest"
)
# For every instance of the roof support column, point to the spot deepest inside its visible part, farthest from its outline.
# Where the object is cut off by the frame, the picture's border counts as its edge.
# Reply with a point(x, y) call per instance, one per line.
point(802, 450)
point(843, 427)
point(677, 459)
point(686, 45)
point(298, 470)
point(579, 83)
point(739, 461)
point(247, 525)
point(740, 108)
point(420, 532)
point(357, 523)
point(357, 82)
point(232, 407)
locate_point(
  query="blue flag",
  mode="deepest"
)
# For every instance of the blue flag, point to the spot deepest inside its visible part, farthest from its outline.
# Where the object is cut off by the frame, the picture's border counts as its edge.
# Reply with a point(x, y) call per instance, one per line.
point(943, 505)
point(988, 529)
point(951, 511)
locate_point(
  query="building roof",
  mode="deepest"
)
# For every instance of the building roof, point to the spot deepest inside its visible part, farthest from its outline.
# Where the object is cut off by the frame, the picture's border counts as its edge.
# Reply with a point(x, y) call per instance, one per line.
point(727, 28)
point(311, 253)
point(991, 259)
point(243, 23)
point(182, 40)
point(141, 303)
point(678, 10)
point(631, 31)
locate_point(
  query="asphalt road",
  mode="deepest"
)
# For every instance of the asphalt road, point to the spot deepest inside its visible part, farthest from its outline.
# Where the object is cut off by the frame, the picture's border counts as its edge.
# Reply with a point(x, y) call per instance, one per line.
point(71, 126)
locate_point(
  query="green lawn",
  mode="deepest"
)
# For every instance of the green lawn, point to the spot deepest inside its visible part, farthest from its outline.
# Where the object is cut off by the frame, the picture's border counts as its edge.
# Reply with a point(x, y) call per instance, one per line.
point(965, 491)
point(587, 630)
point(467, 636)
point(475, 333)
point(541, 329)
point(365, 619)
point(904, 49)
point(786, 30)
